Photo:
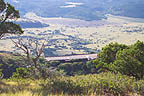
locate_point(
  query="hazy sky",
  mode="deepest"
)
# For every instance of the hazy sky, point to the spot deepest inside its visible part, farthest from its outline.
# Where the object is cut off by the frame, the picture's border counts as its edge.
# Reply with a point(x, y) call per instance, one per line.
point(16, 1)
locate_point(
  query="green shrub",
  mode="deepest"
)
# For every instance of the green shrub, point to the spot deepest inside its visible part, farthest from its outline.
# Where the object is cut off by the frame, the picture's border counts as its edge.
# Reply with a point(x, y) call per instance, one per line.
point(103, 84)
point(107, 84)
point(131, 61)
point(1, 74)
point(108, 55)
point(128, 60)
point(21, 73)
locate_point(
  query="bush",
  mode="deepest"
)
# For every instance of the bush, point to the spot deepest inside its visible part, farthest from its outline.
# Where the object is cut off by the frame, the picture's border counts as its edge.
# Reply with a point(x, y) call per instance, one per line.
point(128, 60)
point(1, 74)
point(103, 84)
point(21, 73)
point(131, 61)
point(108, 55)
point(49, 72)
point(107, 84)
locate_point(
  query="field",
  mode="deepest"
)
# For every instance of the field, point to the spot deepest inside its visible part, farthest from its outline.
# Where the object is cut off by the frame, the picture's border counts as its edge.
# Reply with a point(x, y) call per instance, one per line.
point(67, 36)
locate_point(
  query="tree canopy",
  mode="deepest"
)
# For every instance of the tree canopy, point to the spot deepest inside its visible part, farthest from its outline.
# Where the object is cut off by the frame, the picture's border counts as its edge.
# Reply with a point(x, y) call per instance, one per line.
point(131, 61)
point(7, 14)
point(127, 60)
point(108, 55)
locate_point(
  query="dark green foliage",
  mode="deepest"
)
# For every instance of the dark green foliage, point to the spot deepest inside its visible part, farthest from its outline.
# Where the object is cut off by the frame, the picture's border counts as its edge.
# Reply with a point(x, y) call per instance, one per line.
point(73, 67)
point(2, 5)
point(108, 55)
point(107, 84)
point(10, 63)
point(103, 84)
point(128, 60)
point(78, 68)
point(1, 74)
point(53, 63)
point(45, 68)
point(21, 73)
point(70, 68)
point(131, 61)
point(8, 12)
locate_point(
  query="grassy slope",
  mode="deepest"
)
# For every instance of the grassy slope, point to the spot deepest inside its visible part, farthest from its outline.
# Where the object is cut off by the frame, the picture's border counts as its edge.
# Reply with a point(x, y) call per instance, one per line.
point(10, 63)
point(104, 84)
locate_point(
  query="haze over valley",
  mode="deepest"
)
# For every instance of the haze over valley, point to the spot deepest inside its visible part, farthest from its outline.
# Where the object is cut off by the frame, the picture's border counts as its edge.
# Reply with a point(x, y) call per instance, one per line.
point(80, 9)
point(78, 26)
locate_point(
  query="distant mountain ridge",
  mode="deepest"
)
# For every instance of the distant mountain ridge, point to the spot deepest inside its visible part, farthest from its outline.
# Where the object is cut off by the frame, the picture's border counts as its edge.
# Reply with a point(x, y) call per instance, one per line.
point(81, 9)
point(28, 23)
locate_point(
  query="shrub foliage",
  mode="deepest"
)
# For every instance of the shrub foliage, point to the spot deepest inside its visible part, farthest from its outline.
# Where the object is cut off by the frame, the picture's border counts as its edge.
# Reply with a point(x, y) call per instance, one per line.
point(128, 60)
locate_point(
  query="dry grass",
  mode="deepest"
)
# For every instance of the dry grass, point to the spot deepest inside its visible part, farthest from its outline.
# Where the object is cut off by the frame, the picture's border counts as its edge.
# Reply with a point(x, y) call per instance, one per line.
point(104, 84)
point(99, 36)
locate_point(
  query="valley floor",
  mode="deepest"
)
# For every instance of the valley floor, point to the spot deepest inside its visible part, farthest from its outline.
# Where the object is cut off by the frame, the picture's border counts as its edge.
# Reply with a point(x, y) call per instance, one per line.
point(73, 36)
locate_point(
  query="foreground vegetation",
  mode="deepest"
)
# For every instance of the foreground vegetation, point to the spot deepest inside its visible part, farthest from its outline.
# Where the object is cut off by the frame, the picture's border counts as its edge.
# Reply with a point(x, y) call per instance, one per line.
point(119, 68)
point(104, 84)
point(119, 71)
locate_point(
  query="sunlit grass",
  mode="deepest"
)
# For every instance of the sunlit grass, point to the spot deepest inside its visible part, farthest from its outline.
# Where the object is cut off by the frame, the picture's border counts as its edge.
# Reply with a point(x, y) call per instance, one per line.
point(105, 84)
point(23, 93)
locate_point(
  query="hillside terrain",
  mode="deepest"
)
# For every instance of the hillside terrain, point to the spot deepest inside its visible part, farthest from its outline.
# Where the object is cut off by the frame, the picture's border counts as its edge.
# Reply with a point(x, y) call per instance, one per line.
point(81, 9)
point(72, 48)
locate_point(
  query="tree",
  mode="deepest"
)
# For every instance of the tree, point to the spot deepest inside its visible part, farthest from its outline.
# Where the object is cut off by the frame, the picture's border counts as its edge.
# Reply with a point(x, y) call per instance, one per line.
point(108, 55)
point(7, 14)
point(32, 49)
point(127, 60)
point(131, 61)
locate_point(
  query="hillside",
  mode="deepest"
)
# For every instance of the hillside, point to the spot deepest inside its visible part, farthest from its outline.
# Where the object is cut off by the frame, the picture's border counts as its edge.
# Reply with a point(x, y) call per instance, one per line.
point(118, 71)
point(81, 9)
point(28, 23)
point(72, 48)
point(12, 61)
